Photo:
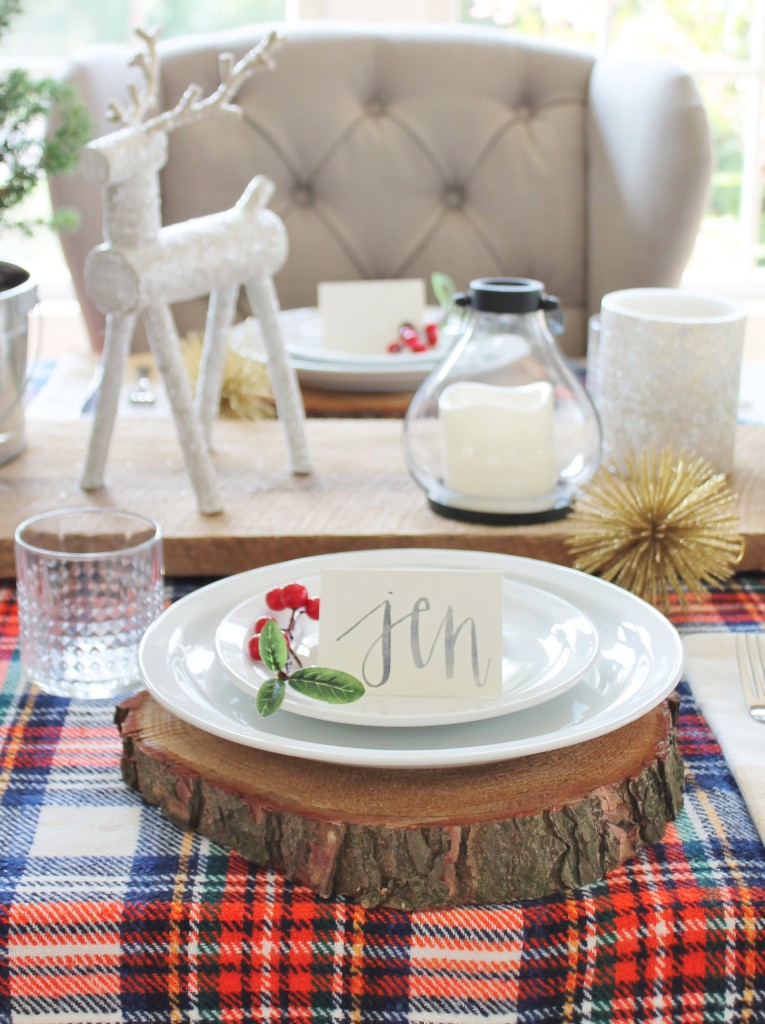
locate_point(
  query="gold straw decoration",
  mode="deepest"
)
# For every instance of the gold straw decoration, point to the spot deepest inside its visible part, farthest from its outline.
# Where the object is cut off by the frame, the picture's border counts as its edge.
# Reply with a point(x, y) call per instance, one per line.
point(246, 391)
point(668, 523)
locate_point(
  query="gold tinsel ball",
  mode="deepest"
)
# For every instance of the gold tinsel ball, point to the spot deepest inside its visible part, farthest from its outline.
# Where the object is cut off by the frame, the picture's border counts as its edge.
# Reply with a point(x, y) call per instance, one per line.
point(246, 390)
point(667, 523)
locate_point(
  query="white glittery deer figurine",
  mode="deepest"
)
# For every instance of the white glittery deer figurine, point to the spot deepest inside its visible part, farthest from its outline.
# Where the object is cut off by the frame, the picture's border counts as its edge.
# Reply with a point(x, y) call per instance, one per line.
point(143, 267)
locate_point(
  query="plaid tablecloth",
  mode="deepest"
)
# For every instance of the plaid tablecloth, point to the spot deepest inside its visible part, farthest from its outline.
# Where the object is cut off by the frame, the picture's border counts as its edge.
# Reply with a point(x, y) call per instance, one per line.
point(108, 913)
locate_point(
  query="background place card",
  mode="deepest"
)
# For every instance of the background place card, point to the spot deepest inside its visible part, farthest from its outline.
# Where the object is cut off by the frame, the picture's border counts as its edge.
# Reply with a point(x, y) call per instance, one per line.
point(414, 633)
point(363, 317)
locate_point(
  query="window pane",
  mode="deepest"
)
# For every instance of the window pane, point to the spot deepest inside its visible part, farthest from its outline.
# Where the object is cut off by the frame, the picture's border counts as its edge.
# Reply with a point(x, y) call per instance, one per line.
point(760, 248)
point(179, 17)
point(720, 247)
point(692, 32)
point(573, 23)
point(54, 28)
point(50, 28)
point(40, 253)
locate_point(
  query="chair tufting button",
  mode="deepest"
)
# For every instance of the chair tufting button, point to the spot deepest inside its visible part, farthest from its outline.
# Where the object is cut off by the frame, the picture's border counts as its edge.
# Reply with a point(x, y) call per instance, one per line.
point(302, 195)
point(454, 197)
point(375, 108)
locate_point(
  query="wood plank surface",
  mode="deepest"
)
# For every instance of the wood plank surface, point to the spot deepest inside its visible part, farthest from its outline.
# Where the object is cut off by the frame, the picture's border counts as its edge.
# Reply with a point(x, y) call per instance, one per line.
point(360, 494)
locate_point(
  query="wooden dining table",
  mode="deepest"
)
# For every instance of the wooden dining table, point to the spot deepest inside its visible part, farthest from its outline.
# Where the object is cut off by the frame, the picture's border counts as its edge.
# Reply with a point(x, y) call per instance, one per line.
point(359, 495)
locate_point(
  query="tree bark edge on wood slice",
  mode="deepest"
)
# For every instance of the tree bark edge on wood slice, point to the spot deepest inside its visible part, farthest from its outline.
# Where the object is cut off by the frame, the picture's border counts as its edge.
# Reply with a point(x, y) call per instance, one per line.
point(507, 831)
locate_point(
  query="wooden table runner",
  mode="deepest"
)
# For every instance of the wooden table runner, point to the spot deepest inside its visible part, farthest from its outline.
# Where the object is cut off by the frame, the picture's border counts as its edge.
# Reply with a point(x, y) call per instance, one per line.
point(359, 496)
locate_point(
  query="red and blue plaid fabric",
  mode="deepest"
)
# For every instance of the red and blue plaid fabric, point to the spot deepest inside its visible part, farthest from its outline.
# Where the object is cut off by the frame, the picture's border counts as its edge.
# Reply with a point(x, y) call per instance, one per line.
point(111, 915)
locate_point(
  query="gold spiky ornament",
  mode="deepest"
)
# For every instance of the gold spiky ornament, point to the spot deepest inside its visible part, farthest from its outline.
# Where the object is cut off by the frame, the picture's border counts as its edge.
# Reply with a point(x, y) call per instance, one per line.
point(666, 523)
point(246, 388)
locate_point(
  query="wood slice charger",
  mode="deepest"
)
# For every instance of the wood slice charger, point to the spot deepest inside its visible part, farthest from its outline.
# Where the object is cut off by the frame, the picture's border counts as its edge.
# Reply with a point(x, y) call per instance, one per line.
point(415, 838)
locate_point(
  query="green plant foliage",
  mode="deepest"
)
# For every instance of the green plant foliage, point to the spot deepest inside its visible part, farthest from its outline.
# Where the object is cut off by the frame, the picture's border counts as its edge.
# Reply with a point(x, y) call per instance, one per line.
point(270, 696)
point(273, 649)
point(8, 8)
point(327, 684)
point(27, 154)
point(443, 289)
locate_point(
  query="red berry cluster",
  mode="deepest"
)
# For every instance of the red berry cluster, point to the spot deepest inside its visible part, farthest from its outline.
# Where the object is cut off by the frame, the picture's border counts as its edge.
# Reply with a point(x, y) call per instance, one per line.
point(409, 337)
point(293, 597)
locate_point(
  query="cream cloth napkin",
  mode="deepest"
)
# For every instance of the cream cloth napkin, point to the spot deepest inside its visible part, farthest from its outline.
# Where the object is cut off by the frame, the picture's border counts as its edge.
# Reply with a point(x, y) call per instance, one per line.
point(751, 397)
point(712, 673)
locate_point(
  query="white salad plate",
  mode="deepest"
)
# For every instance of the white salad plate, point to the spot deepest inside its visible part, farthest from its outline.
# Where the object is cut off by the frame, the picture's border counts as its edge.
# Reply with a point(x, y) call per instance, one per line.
point(325, 368)
point(547, 645)
point(639, 662)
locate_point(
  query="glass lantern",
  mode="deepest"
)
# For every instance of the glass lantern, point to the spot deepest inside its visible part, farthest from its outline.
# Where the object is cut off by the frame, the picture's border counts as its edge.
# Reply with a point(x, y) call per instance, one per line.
point(502, 431)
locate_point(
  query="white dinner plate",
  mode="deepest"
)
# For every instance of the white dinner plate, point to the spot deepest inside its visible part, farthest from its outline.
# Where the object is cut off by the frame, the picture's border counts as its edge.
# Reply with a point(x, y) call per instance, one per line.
point(333, 377)
point(339, 371)
point(547, 645)
point(638, 664)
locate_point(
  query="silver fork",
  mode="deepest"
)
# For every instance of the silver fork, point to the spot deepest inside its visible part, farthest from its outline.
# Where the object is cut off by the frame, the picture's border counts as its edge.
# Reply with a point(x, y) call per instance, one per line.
point(143, 393)
point(750, 653)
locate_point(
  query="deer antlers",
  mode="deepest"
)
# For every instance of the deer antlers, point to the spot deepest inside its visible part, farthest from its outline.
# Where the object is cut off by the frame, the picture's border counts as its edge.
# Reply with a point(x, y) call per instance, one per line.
point(142, 99)
point(192, 105)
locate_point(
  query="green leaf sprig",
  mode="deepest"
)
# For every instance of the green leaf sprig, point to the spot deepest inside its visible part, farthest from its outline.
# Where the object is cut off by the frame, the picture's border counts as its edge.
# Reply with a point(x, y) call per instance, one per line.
point(443, 288)
point(325, 684)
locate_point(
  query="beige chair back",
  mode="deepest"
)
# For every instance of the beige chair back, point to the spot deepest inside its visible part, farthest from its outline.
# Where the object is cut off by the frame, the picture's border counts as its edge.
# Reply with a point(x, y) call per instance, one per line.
point(399, 151)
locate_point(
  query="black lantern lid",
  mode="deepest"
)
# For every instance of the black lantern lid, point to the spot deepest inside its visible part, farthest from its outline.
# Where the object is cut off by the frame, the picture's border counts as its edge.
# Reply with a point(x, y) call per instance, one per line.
point(506, 295)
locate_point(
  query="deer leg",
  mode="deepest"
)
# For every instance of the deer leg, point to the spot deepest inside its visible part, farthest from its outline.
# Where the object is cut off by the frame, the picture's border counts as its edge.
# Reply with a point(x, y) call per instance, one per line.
point(289, 402)
point(117, 338)
point(220, 316)
point(166, 346)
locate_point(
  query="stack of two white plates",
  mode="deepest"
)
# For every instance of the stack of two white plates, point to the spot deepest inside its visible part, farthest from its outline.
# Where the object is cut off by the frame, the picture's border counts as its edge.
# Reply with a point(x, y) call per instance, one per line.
point(581, 658)
point(320, 366)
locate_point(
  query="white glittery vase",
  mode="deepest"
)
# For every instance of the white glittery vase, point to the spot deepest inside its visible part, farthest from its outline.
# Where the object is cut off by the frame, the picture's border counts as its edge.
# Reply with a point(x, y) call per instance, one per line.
point(668, 372)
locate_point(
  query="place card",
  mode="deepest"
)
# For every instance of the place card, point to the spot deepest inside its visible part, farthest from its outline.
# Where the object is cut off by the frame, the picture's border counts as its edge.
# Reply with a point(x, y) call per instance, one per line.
point(415, 633)
point(363, 317)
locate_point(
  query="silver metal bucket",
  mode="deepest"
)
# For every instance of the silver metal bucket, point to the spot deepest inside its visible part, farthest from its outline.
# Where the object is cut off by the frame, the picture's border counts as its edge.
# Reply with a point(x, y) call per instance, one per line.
point(18, 294)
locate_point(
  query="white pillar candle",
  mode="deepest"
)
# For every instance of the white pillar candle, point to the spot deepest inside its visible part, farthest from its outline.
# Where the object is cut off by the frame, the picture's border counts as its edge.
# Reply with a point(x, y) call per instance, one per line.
point(669, 371)
point(498, 441)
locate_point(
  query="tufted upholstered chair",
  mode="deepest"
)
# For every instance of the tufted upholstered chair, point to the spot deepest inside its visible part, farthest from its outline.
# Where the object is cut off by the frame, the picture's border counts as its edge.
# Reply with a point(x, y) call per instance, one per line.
point(397, 151)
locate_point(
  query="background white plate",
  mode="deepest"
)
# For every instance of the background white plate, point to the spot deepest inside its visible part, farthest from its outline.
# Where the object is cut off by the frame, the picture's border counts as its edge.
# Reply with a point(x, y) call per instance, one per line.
point(406, 377)
point(322, 368)
point(639, 662)
point(547, 646)
point(304, 338)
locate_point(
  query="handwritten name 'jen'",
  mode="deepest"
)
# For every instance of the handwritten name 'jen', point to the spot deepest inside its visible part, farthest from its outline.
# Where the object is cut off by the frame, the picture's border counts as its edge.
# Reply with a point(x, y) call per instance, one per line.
point(414, 639)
